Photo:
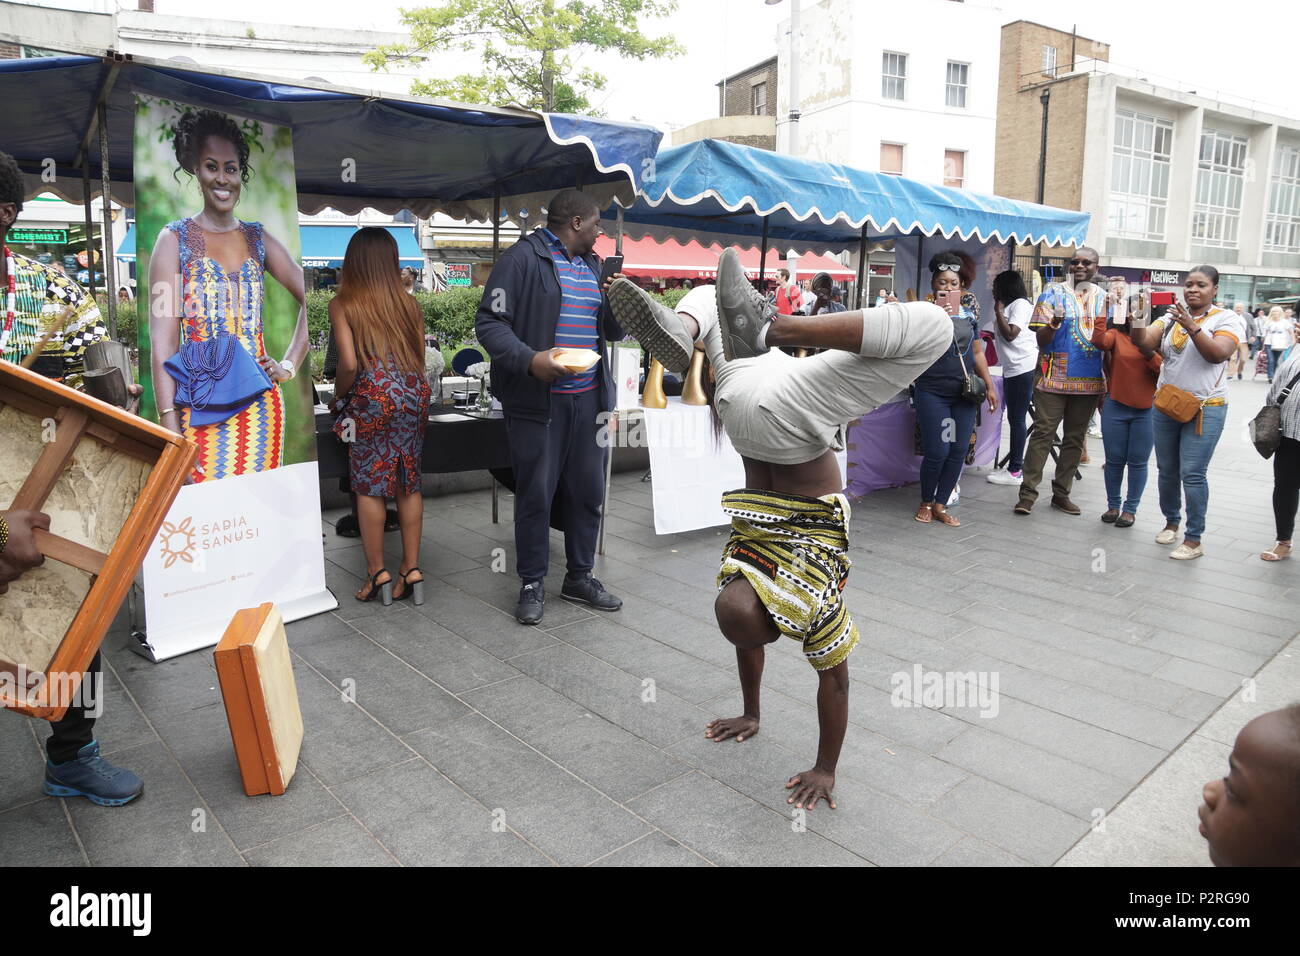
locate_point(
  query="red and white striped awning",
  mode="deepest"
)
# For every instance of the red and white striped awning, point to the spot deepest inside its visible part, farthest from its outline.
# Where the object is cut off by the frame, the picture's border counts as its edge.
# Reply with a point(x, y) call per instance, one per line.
point(673, 260)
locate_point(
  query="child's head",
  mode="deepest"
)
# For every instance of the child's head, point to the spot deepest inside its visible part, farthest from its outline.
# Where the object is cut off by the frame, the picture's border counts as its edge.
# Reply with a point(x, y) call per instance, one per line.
point(1251, 817)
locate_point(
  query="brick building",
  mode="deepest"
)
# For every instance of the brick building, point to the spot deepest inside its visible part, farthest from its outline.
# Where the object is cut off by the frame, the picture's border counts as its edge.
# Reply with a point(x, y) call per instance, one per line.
point(746, 110)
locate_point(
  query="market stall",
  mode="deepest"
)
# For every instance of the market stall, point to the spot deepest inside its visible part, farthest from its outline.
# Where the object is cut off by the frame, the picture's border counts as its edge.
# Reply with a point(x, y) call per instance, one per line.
point(115, 118)
point(713, 192)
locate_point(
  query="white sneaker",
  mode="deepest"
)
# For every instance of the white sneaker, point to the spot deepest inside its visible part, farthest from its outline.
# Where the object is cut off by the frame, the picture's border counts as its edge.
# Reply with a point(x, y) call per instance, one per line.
point(955, 496)
point(1166, 536)
point(1004, 477)
point(1094, 432)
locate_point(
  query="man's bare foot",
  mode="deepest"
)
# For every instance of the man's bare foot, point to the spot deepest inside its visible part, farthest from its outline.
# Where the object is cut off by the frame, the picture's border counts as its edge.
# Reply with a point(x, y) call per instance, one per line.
point(811, 786)
point(742, 728)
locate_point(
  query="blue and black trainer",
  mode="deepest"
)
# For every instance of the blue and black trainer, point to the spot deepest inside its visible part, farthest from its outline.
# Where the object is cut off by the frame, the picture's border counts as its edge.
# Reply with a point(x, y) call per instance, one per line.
point(91, 776)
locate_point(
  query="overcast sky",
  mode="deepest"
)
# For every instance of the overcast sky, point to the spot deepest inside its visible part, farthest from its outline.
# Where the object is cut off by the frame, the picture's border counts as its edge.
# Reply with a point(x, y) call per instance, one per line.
point(1246, 47)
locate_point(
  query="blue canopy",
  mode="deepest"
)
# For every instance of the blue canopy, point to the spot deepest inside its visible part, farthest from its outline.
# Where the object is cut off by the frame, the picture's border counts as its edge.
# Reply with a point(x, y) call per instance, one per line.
point(715, 191)
point(410, 153)
point(126, 248)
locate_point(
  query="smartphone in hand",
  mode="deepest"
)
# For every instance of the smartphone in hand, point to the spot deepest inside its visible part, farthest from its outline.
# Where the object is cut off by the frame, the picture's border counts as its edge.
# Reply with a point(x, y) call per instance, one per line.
point(611, 267)
point(946, 300)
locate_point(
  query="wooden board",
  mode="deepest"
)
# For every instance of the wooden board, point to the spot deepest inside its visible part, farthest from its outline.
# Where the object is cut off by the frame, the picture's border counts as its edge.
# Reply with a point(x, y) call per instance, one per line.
point(106, 479)
point(261, 698)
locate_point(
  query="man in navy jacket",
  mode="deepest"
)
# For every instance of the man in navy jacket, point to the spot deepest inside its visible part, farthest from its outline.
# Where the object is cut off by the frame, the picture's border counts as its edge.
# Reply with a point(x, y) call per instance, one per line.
point(543, 296)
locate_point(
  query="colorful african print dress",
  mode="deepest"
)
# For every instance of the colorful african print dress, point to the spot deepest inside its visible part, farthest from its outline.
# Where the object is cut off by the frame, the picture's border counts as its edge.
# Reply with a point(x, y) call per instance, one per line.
point(215, 303)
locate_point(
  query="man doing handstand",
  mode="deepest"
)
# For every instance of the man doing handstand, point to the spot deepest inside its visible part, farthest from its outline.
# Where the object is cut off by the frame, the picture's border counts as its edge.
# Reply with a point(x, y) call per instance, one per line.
point(786, 563)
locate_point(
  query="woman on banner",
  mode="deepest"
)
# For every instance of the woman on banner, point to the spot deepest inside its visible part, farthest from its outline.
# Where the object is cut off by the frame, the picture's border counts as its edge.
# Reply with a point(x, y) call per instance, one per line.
point(214, 382)
point(383, 402)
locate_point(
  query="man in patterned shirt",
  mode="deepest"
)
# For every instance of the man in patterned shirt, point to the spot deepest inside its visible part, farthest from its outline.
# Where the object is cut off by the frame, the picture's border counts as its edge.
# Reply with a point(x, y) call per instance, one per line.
point(35, 295)
point(31, 293)
point(1069, 380)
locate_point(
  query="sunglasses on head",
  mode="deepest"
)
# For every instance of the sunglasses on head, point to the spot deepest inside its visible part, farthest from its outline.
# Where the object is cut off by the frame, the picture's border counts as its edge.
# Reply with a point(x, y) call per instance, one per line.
point(948, 267)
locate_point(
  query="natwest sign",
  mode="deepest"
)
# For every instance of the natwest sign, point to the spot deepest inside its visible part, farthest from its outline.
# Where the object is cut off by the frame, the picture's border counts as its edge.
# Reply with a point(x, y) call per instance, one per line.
point(1163, 277)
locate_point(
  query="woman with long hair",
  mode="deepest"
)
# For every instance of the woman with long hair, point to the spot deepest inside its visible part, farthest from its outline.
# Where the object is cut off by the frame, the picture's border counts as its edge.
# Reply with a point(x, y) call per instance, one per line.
point(1195, 338)
point(383, 399)
point(213, 380)
point(1277, 337)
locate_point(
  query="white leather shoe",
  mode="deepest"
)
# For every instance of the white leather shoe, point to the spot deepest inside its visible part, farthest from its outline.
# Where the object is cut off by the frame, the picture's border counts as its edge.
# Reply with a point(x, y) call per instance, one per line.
point(1184, 553)
point(1166, 536)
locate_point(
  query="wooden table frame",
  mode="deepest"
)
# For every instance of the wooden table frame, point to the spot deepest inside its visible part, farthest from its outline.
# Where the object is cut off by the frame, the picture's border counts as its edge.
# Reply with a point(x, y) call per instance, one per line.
point(80, 417)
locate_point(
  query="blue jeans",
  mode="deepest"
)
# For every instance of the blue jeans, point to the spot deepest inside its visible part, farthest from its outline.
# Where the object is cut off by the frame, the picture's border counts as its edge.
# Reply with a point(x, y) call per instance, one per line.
point(1182, 458)
point(946, 424)
point(1018, 390)
point(1127, 437)
point(1273, 356)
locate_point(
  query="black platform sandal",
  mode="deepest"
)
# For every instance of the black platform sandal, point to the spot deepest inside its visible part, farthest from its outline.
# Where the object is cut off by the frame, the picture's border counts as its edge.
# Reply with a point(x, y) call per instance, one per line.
point(384, 589)
point(413, 589)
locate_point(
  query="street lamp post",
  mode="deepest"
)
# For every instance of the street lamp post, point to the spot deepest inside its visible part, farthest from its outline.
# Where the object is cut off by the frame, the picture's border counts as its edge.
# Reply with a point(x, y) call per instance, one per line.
point(1045, 98)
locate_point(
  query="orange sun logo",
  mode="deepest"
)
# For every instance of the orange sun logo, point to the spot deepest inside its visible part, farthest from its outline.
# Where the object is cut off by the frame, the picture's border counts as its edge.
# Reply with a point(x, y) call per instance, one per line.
point(176, 542)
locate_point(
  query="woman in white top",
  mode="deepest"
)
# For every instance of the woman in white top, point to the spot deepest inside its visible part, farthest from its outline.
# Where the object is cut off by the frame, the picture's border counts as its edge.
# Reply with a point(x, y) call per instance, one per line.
point(1286, 460)
point(1018, 355)
point(1277, 337)
point(1195, 340)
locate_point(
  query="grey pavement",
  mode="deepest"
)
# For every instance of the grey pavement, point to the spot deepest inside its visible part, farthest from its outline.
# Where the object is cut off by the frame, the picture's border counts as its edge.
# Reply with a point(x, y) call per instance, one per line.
point(472, 740)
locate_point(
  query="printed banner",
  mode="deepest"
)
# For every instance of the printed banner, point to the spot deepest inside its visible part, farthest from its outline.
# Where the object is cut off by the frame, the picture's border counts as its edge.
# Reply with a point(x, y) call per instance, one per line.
point(221, 317)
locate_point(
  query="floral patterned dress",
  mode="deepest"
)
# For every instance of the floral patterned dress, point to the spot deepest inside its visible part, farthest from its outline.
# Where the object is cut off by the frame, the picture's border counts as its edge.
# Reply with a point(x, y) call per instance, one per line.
point(382, 421)
point(215, 303)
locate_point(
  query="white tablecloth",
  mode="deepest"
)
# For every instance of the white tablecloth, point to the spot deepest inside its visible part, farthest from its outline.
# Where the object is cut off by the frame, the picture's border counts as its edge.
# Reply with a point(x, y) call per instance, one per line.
point(689, 473)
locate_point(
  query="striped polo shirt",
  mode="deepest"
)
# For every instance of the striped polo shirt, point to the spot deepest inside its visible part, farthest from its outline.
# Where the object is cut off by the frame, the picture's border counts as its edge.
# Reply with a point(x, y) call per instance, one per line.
point(580, 302)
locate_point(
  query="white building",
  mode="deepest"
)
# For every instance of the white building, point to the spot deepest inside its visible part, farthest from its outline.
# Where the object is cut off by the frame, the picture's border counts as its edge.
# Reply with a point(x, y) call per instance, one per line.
point(908, 88)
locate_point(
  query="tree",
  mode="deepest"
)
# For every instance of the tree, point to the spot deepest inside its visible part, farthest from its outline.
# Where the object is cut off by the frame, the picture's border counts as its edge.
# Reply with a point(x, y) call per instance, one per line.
point(524, 46)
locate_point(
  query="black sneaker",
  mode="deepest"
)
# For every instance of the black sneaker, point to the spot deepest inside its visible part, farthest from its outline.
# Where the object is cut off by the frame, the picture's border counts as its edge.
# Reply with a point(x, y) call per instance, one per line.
point(532, 601)
point(591, 592)
point(656, 327)
point(743, 314)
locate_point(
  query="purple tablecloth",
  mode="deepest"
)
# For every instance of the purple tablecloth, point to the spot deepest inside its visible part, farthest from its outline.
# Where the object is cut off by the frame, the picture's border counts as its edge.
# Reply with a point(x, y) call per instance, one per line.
point(880, 445)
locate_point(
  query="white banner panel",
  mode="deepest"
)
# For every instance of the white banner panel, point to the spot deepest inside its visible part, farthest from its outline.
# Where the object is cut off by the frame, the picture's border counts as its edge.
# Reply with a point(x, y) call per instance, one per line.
point(689, 473)
point(627, 377)
point(233, 544)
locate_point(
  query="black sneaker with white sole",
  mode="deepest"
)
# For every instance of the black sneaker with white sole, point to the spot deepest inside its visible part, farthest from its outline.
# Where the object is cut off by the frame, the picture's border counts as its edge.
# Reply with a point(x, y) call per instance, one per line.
point(590, 592)
point(743, 313)
point(657, 327)
point(532, 603)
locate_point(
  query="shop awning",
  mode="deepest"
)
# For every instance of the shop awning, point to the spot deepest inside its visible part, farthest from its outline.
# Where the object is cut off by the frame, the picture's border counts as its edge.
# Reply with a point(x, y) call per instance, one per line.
point(126, 248)
point(324, 246)
point(714, 191)
point(408, 153)
point(690, 260)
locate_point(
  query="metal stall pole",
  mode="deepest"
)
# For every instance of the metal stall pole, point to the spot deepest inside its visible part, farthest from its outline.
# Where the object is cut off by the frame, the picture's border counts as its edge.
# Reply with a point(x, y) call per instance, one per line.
point(920, 248)
point(614, 422)
point(496, 253)
point(863, 259)
point(90, 221)
point(496, 224)
point(762, 257)
point(106, 231)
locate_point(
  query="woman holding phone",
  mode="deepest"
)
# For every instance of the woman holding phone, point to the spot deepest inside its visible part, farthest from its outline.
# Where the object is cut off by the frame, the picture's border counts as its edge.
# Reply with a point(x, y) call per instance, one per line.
point(945, 418)
point(1126, 410)
point(1195, 339)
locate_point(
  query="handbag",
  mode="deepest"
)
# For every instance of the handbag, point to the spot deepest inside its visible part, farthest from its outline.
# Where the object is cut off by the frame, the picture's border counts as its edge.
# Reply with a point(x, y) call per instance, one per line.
point(1266, 427)
point(973, 388)
point(216, 379)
